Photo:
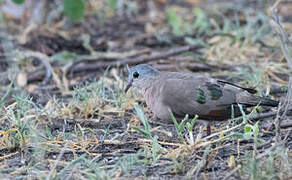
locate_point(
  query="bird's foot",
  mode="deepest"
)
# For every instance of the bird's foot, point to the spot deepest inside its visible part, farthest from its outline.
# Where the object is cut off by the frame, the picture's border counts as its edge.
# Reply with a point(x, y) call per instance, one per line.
point(209, 128)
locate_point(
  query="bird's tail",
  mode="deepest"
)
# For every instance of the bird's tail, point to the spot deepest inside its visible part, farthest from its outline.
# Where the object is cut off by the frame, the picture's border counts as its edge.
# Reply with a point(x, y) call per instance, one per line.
point(268, 102)
point(252, 100)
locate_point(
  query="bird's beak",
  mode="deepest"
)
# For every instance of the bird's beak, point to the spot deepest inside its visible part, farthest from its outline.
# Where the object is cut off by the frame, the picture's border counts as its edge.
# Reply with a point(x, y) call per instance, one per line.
point(128, 86)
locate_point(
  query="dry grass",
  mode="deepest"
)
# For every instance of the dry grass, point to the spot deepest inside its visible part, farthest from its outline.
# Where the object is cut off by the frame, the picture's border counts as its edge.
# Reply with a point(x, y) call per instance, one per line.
point(93, 130)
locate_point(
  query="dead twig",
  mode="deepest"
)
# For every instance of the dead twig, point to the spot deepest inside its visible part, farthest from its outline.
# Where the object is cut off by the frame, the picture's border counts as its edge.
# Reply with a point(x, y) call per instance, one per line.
point(131, 61)
point(190, 66)
point(139, 142)
point(284, 44)
point(268, 151)
point(284, 41)
point(232, 172)
point(282, 35)
point(286, 125)
point(282, 111)
point(258, 116)
point(90, 66)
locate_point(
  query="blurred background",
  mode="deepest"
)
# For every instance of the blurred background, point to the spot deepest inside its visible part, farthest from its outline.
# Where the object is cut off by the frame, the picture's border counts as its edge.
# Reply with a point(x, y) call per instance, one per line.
point(63, 70)
point(84, 37)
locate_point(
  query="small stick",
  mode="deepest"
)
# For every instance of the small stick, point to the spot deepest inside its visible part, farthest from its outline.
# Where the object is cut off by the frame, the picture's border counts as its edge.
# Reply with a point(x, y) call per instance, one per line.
point(232, 172)
point(83, 66)
point(284, 42)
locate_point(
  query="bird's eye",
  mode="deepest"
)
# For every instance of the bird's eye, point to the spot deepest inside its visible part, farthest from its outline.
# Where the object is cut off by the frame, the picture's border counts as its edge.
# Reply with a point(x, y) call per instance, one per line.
point(135, 74)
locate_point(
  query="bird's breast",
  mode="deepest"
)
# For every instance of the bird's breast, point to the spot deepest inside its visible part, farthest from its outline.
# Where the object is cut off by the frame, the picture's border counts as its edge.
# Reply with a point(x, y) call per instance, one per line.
point(149, 96)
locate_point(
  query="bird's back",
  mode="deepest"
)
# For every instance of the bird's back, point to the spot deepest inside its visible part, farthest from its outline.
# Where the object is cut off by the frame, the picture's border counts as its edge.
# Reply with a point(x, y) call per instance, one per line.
point(209, 98)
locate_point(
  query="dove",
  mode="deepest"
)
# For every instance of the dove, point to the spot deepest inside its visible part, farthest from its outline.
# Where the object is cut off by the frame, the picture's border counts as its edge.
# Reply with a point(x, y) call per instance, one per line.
point(187, 93)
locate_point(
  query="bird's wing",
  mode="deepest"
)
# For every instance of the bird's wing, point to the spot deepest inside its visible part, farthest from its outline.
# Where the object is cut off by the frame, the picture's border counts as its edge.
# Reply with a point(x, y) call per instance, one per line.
point(206, 97)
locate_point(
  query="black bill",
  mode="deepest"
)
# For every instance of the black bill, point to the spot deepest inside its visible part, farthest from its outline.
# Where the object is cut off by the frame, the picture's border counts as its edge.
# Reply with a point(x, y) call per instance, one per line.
point(128, 86)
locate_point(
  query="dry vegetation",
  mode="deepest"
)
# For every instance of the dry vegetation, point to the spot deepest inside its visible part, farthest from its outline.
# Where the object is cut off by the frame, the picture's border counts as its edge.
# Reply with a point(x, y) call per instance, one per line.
point(64, 113)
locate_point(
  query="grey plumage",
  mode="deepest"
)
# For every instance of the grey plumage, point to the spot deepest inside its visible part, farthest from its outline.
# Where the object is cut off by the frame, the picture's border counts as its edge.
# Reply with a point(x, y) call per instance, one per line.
point(186, 93)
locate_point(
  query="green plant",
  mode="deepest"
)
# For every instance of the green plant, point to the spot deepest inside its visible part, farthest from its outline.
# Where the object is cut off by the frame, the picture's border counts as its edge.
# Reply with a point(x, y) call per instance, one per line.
point(156, 150)
point(89, 169)
point(175, 21)
point(64, 57)
point(18, 1)
point(179, 127)
point(153, 153)
point(22, 119)
point(74, 9)
point(190, 126)
point(2, 100)
point(89, 98)
point(178, 164)
point(147, 128)
point(127, 163)
point(253, 75)
point(274, 165)
point(201, 23)
point(197, 167)
point(86, 43)
point(179, 27)
point(113, 4)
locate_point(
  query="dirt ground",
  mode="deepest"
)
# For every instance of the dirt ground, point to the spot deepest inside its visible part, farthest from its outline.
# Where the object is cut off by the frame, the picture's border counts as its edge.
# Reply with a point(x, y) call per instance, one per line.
point(64, 113)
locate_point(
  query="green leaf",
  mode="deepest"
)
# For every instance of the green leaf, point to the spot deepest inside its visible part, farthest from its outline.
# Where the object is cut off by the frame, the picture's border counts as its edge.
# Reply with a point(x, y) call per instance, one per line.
point(198, 12)
point(18, 1)
point(3, 98)
point(74, 9)
point(256, 129)
point(182, 123)
point(190, 125)
point(142, 131)
point(245, 119)
point(284, 88)
point(201, 19)
point(147, 128)
point(86, 43)
point(238, 135)
point(178, 127)
point(243, 135)
point(232, 112)
point(173, 119)
point(196, 41)
point(48, 132)
point(64, 56)
point(174, 21)
point(247, 135)
point(248, 128)
point(142, 116)
point(113, 4)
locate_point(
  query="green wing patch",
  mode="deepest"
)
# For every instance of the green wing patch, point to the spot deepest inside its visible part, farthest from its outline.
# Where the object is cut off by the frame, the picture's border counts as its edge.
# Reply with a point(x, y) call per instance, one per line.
point(215, 91)
point(201, 98)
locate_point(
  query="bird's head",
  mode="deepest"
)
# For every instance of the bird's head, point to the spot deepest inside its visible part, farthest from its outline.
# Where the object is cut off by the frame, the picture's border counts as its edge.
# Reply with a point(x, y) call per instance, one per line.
point(140, 75)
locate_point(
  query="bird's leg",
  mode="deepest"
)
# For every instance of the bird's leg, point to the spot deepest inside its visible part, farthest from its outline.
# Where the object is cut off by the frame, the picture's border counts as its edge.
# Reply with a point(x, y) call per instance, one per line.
point(208, 129)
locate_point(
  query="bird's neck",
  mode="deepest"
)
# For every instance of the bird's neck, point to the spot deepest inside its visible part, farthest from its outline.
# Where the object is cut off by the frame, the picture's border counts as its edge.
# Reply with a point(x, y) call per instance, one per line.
point(150, 95)
point(148, 84)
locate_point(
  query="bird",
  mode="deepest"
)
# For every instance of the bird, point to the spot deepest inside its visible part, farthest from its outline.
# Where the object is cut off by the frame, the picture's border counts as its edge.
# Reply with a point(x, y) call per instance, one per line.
point(185, 93)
